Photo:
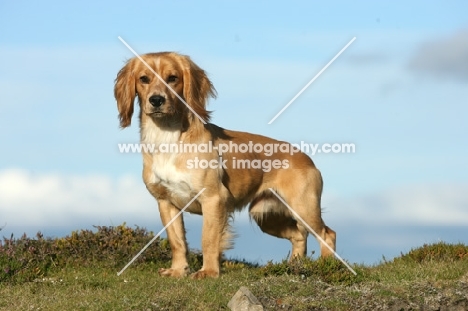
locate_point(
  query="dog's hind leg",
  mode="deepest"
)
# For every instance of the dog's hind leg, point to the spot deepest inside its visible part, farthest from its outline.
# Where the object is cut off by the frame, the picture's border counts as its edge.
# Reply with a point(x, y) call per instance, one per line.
point(303, 195)
point(303, 198)
point(277, 221)
point(308, 209)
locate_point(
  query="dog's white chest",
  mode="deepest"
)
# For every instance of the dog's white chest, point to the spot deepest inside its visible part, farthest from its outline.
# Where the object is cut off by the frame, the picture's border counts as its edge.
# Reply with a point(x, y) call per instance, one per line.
point(165, 168)
point(166, 173)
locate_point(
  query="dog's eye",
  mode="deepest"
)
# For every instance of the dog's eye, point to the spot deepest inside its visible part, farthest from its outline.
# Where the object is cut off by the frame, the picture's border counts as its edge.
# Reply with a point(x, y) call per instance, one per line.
point(171, 79)
point(144, 79)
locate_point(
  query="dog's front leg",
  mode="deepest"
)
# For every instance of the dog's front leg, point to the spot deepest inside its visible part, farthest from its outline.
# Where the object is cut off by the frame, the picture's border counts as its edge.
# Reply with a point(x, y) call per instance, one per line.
point(176, 236)
point(214, 222)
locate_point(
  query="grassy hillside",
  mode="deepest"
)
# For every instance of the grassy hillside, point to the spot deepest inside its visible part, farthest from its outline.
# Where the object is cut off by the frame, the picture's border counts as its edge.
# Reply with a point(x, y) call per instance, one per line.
point(79, 272)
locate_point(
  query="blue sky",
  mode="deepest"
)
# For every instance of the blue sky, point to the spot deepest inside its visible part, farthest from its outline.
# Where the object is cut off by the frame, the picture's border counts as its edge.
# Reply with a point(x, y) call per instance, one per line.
point(398, 93)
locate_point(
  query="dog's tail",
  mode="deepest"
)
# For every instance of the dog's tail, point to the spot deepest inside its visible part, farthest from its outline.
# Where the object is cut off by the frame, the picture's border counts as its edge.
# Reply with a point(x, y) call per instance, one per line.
point(228, 235)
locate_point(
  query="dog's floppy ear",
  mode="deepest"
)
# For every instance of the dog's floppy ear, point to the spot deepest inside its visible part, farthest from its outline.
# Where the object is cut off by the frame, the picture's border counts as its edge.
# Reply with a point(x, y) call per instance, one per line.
point(197, 88)
point(124, 92)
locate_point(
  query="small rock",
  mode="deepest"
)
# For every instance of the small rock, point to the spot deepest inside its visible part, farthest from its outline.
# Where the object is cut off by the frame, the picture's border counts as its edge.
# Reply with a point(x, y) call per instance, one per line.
point(464, 278)
point(244, 300)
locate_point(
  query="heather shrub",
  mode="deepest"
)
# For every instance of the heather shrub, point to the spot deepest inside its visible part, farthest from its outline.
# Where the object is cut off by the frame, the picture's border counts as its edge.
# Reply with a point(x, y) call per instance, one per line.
point(436, 252)
point(25, 258)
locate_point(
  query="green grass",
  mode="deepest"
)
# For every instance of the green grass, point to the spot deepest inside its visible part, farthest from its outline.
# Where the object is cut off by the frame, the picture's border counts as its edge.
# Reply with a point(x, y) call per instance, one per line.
point(79, 272)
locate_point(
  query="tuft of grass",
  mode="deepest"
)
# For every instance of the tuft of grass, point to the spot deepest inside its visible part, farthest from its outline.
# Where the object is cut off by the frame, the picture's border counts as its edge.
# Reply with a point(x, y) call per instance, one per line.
point(329, 270)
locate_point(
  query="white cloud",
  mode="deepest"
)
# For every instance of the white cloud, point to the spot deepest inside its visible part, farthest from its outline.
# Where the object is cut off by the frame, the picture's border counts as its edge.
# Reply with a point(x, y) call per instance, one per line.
point(38, 201)
point(424, 204)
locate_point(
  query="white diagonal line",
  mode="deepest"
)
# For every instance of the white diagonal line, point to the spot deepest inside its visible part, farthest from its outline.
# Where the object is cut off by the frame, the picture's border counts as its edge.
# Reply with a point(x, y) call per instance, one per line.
point(312, 231)
point(160, 232)
point(159, 77)
point(313, 79)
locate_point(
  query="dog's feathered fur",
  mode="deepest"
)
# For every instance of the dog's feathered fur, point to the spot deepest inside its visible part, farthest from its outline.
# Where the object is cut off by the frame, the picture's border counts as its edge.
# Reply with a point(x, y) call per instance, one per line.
point(165, 119)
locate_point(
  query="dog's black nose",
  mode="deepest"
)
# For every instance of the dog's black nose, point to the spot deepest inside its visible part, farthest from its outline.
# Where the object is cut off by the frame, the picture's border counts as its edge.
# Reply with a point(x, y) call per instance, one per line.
point(157, 100)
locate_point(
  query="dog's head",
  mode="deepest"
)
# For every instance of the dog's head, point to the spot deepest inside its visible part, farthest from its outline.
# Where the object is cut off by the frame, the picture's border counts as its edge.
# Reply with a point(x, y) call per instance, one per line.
point(165, 84)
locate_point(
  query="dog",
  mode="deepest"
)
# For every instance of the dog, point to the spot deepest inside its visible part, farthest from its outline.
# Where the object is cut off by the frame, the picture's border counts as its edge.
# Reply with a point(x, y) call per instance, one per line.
point(172, 93)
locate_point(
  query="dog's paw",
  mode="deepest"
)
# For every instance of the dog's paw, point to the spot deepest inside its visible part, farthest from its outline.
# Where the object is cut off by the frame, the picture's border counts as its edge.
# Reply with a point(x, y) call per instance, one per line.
point(175, 273)
point(202, 274)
